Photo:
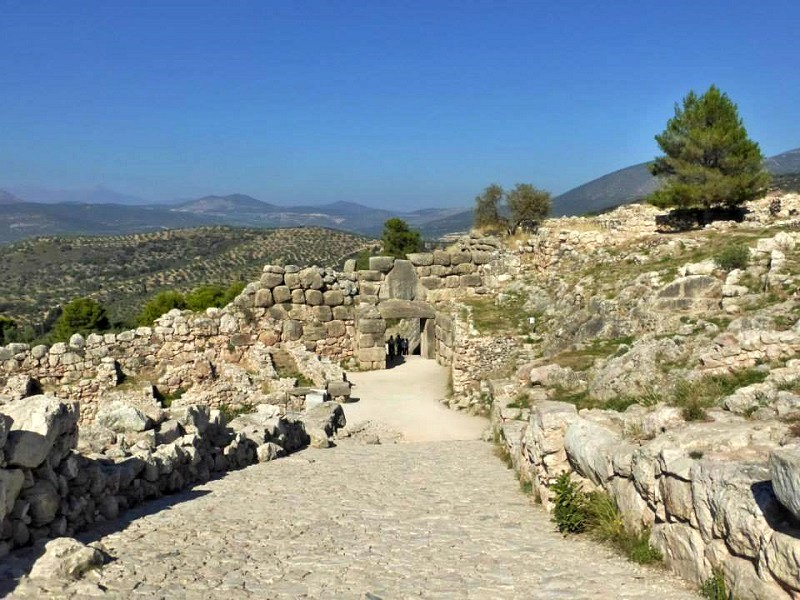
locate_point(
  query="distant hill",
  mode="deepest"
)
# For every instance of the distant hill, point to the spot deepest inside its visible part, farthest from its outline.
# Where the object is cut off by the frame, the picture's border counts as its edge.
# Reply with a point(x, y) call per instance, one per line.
point(224, 205)
point(620, 187)
point(634, 183)
point(8, 198)
point(785, 163)
point(95, 195)
point(460, 221)
point(21, 220)
point(122, 272)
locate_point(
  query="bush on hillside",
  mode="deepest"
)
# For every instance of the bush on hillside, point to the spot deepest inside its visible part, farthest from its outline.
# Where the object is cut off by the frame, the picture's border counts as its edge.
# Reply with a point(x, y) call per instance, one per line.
point(735, 256)
point(163, 302)
point(82, 315)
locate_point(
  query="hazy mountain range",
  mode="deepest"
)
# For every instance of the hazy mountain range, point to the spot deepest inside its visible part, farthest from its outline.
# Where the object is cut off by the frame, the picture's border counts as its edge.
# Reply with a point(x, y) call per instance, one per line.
point(634, 183)
point(36, 211)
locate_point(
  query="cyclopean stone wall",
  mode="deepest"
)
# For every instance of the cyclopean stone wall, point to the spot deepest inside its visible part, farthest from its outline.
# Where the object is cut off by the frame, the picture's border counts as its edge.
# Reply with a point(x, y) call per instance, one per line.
point(340, 316)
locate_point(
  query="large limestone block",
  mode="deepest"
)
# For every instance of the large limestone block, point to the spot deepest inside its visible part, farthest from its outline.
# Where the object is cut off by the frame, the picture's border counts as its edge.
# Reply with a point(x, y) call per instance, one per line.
point(441, 258)
point(468, 281)
point(322, 422)
point(421, 259)
point(743, 581)
point(382, 264)
point(734, 501)
point(464, 269)
point(406, 309)
point(369, 275)
point(784, 468)
point(401, 282)
point(590, 448)
point(270, 280)
point(344, 313)
point(44, 502)
point(314, 297)
point(371, 325)
point(683, 549)
point(372, 354)
point(635, 512)
point(313, 332)
point(432, 283)
point(292, 280)
point(548, 424)
point(66, 558)
point(292, 330)
point(333, 297)
point(37, 422)
point(281, 294)
point(338, 388)
point(193, 417)
point(260, 428)
point(122, 418)
point(310, 278)
point(269, 451)
point(370, 340)
point(263, 298)
point(335, 329)
point(11, 481)
point(677, 497)
point(782, 557)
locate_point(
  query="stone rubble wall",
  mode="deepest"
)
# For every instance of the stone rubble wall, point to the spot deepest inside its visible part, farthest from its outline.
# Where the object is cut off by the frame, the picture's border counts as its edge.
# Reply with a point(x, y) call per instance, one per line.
point(561, 238)
point(703, 490)
point(331, 314)
point(48, 488)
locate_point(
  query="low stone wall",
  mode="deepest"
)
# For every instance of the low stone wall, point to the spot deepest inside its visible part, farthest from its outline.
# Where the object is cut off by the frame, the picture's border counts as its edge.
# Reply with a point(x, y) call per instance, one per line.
point(703, 489)
point(48, 488)
point(316, 307)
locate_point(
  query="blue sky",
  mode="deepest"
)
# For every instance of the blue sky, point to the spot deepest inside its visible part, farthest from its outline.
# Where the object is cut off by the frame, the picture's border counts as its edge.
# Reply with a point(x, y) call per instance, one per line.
point(400, 104)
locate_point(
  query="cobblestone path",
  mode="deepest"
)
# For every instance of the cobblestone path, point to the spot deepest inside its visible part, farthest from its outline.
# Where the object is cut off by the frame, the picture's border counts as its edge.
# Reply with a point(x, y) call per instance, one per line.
point(439, 519)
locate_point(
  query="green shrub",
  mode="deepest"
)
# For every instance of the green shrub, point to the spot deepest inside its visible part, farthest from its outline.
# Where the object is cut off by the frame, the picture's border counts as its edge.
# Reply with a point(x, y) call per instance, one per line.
point(598, 514)
point(83, 316)
point(733, 256)
point(231, 412)
point(160, 304)
point(167, 399)
point(697, 395)
point(206, 296)
point(714, 587)
point(570, 513)
point(521, 400)
point(501, 452)
point(605, 524)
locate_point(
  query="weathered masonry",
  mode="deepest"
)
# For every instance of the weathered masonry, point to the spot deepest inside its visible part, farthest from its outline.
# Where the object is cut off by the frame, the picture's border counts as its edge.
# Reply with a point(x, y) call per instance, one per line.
point(344, 317)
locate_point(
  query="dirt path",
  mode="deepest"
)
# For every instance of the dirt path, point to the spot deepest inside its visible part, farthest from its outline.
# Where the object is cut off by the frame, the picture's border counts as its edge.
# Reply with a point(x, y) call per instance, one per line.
point(406, 398)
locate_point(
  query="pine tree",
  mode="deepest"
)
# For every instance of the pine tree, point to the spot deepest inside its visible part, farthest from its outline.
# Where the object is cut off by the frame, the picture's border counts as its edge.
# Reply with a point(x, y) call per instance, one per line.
point(82, 315)
point(398, 239)
point(708, 158)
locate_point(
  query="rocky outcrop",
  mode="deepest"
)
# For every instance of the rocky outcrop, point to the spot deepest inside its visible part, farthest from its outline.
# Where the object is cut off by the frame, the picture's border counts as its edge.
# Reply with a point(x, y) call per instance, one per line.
point(700, 488)
point(66, 558)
